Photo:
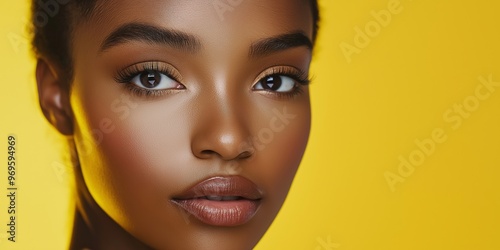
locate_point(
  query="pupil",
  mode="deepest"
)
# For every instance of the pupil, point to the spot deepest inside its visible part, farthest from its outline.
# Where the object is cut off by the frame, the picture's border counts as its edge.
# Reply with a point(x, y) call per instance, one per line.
point(272, 83)
point(150, 79)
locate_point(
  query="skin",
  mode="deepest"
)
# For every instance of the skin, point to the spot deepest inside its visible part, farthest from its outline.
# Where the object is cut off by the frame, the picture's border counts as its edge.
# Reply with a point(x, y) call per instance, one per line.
point(136, 152)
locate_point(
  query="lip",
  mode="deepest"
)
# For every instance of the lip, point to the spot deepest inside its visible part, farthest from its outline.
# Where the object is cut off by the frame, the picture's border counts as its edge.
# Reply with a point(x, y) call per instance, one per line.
point(221, 201)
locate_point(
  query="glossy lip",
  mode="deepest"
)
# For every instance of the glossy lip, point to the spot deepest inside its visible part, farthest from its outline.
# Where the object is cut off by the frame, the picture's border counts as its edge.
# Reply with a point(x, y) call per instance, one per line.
point(238, 199)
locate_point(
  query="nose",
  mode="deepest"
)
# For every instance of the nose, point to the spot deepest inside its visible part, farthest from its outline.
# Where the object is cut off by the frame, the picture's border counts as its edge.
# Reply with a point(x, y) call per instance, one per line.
point(222, 133)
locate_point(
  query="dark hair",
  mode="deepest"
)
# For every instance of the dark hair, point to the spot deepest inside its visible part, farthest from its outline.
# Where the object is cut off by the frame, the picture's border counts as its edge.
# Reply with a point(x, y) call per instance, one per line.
point(52, 22)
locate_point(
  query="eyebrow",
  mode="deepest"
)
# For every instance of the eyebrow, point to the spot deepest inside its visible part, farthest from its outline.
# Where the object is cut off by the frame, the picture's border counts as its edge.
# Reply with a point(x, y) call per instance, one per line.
point(279, 43)
point(151, 34)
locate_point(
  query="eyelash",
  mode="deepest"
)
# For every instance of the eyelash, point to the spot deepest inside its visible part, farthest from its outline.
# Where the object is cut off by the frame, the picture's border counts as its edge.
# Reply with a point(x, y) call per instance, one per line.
point(126, 76)
point(300, 77)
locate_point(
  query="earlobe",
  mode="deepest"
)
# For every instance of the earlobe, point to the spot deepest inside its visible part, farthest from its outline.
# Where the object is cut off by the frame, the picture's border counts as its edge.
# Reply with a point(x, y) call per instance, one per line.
point(54, 98)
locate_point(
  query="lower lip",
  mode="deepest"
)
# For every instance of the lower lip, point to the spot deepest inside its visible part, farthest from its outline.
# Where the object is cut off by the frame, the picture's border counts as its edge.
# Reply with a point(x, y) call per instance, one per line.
point(220, 213)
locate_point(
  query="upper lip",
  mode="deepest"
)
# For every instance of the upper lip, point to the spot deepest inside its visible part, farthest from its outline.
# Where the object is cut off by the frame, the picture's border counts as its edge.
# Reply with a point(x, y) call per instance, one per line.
point(222, 186)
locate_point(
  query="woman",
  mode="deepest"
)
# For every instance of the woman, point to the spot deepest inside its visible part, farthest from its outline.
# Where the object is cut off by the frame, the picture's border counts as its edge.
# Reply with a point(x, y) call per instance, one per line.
point(187, 119)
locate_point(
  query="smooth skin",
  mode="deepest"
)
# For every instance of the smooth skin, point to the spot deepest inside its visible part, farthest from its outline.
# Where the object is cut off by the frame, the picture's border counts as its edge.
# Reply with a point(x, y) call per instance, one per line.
point(209, 116)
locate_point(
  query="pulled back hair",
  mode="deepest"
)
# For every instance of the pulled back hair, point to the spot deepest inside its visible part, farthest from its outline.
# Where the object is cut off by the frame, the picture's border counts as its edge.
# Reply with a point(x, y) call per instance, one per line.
point(53, 22)
point(51, 28)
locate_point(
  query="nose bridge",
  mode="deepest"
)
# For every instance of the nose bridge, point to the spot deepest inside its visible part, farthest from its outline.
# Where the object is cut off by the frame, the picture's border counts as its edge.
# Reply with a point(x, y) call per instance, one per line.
point(222, 130)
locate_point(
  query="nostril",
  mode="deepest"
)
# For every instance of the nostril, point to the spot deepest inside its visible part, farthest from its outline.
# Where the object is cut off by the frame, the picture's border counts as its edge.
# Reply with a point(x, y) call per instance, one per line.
point(244, 155)
point(208, 152)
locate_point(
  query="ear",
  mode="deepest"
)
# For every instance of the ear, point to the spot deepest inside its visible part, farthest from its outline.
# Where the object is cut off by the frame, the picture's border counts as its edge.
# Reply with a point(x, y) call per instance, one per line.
point(54, 98)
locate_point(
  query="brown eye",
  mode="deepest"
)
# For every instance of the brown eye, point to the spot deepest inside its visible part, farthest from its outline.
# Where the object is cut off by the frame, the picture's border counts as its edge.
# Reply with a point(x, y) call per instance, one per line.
point(150, 79)
point(271, 82)
point(276, 83)
point(155, 80)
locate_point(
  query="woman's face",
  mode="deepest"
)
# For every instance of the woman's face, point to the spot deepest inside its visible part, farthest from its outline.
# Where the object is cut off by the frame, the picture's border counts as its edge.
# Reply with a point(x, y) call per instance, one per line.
point(191, 117)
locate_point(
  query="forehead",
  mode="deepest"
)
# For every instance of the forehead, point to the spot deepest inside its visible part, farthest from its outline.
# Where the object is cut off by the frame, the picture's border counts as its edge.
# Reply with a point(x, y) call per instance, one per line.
point(214, 21)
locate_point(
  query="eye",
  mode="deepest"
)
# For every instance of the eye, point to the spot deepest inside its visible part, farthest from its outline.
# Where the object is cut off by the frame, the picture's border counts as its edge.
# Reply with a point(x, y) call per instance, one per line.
point(276, 83)
point(155, 80)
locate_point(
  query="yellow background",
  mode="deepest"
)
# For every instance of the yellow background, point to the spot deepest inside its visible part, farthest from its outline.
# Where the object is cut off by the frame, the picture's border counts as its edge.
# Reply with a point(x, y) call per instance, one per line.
point(366, 114)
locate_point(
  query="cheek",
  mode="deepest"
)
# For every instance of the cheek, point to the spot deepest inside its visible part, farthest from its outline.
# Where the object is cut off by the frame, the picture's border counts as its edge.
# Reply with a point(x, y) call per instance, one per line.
point(145, 150)
point(280, 145)
point(135, 167)
point(130, 151)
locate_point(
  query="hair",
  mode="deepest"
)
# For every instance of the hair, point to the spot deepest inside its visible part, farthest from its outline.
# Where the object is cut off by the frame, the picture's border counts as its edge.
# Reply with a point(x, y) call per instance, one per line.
point(53, 22)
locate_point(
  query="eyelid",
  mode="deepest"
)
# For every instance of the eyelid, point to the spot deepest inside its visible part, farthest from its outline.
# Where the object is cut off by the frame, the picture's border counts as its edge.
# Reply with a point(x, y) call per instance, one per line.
point(126, 74)
point(297, 74)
